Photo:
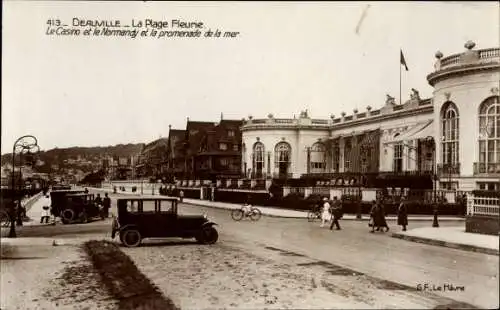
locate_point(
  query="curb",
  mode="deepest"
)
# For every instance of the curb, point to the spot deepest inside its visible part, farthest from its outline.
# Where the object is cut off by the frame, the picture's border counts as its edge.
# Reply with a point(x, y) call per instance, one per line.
point(459, 246)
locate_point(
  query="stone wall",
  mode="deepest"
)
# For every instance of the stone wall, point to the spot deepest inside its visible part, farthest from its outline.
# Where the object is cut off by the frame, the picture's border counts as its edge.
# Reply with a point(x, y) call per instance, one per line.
point(488, 225)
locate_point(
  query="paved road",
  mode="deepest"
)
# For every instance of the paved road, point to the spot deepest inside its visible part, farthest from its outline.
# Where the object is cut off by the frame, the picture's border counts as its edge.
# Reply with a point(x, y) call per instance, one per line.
point(352, 248)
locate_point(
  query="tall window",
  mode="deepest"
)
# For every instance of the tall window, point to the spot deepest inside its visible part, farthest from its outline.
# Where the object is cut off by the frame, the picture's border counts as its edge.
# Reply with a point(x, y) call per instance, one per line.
point(336, 157)
point(318, 163)
point(449, 127)
point(489, 135)
point(397, 164)
point(347, 155)
point(258, 158)
point(282, 153)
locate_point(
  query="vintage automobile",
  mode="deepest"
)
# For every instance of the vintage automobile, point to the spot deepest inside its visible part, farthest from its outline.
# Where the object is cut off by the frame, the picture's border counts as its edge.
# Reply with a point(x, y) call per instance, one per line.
point(80, 208)
point(140, 218)
point(59, 201)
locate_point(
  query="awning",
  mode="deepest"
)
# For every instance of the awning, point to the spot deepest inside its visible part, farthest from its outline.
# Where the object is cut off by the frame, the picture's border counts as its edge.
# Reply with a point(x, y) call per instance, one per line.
point(419, 131)
point(351, 134)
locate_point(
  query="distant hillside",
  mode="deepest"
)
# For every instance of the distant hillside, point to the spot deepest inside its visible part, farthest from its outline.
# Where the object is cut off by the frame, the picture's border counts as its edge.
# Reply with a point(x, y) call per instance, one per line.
point(58, 156)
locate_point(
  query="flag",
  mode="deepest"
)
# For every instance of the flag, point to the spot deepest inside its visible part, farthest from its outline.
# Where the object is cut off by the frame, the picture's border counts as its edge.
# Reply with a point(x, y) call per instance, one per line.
point(402, 60)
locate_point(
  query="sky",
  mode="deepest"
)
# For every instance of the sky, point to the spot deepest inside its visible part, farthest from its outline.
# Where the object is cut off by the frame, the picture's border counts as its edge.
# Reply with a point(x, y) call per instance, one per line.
point(288, 57)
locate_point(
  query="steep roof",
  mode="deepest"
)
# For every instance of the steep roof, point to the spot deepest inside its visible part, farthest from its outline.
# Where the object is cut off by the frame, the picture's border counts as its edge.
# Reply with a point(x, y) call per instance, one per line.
point(154, 144)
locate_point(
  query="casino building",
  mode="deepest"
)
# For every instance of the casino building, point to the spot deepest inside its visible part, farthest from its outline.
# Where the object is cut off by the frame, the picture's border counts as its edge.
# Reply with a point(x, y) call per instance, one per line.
point(449, 141)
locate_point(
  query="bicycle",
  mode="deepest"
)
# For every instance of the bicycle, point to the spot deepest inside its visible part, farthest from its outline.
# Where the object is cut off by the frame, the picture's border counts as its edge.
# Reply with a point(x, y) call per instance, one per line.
point(314, 214)
point(252, 212)
point(5, 218)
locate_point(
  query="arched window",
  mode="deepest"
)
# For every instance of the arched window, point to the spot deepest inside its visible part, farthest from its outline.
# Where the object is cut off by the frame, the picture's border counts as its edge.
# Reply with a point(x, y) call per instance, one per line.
point(450, 132)
point(258, 159)
point(282, 153)
point(318, 158)
point(489, 136)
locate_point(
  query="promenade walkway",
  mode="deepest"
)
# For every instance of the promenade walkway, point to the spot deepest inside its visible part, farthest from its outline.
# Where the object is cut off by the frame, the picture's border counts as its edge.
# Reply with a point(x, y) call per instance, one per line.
point(282, 212)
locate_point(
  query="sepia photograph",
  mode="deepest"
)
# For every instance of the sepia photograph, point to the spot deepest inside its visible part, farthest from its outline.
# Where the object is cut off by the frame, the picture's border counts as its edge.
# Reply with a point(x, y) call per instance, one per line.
point(185, 155)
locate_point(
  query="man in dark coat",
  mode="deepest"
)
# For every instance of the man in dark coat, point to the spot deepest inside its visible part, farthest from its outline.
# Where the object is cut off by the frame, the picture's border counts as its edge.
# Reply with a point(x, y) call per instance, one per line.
point(106, 204)
point(336, 212)
point(383, 222)
point(402, 215)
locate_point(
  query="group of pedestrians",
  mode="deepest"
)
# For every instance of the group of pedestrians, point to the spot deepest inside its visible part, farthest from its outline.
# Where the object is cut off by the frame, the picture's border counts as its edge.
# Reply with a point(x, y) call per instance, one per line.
point(377, 216)
point(333, 212)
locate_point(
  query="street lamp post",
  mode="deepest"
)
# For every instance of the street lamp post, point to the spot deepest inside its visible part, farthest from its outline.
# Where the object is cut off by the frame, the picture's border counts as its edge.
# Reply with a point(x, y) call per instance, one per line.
point(24, 144)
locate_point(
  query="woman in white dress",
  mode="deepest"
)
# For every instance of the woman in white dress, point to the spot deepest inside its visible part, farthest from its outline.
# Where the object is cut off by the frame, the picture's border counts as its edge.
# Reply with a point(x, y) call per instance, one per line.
point(325, 215)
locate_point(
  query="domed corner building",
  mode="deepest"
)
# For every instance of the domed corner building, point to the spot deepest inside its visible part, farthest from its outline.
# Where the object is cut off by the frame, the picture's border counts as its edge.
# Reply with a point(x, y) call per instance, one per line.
point(467, 118)
point(450, 141)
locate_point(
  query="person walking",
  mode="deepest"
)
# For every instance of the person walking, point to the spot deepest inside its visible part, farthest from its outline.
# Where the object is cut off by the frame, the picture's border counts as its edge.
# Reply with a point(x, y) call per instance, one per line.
point(45, 210)
point(325, 214)
point(403, 215)
point(336, 213)
point(383, 222)
point(373, 216)
point(106, 205)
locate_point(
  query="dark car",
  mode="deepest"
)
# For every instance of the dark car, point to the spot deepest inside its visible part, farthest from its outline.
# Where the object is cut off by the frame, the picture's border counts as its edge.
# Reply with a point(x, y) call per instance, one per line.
point(80, 208)
point(59, 201)
point(140, 218)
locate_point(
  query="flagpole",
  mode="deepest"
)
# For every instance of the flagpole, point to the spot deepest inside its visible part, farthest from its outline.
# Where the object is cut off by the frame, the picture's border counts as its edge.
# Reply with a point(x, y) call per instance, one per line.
point(400, 76)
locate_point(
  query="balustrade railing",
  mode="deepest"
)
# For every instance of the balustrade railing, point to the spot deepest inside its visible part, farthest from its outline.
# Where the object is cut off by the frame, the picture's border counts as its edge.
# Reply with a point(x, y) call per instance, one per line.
point(444, 170)
point(483, 206)
point(484, 55)
point(489, 53)
point(486, 168)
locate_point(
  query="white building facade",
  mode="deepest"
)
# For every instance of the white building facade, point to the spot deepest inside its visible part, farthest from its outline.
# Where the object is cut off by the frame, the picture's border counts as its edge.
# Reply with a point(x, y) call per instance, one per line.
point(467, 118)
point(455, 136)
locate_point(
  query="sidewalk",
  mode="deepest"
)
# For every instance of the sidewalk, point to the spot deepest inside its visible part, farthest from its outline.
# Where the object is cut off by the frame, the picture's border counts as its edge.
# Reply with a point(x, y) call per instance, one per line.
point(281, 212)
point(452, 237)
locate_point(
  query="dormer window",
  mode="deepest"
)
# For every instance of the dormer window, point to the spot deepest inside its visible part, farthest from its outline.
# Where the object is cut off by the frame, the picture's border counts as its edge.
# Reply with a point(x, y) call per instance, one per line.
point(230, 133)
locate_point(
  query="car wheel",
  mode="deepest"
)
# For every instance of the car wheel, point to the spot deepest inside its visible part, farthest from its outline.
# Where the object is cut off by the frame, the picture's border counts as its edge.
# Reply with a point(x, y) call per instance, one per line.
point(208, 235)
point(255, 214)
point(67, 216)
point(130, 237)
point(237, 214)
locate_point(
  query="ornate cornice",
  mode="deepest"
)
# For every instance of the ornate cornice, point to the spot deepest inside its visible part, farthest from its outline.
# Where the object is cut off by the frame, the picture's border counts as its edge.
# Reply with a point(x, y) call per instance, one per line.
point(346, 124)
point(462, 70)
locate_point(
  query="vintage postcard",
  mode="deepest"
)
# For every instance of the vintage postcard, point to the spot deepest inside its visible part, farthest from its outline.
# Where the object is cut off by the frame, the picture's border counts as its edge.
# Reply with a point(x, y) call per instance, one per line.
point(250, 155)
